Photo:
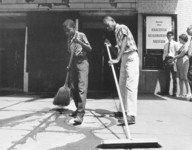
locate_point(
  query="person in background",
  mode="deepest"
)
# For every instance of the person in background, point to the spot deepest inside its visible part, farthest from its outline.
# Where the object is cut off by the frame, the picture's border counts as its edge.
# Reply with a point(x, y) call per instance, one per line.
point(78, 43)
point(129, 70)
point(189, 32)
point(183, 65)
point(170, 50)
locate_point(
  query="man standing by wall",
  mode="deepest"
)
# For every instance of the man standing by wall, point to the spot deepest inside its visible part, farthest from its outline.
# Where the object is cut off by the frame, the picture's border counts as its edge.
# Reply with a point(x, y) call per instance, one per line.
point(129, 72)
point(170, 50)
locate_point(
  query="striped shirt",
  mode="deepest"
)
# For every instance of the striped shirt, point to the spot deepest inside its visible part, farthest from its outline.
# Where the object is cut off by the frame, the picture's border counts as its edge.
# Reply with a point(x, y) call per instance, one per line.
point(120, 32)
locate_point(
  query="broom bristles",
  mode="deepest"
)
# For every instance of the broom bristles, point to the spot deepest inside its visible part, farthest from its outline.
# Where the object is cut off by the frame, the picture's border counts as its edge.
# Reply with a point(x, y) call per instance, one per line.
point(62, 97)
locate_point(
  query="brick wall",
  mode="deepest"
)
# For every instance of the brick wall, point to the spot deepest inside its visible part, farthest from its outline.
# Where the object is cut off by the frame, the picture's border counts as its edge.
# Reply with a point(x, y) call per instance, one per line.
point(184, 15)
point(157, 6)
point(182, 8)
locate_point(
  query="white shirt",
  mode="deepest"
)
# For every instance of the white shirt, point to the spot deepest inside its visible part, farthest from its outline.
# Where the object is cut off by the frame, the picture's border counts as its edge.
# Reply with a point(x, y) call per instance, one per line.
point(174, 47)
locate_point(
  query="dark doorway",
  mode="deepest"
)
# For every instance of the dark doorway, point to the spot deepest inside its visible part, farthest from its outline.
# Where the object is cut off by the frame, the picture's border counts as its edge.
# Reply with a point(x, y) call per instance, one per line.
point(47, 50)
point(100, 74)
point(12, 58)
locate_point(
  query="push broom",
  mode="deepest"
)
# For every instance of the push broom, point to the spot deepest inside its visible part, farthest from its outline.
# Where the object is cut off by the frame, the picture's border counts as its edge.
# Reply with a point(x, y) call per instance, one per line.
point(129, 141)
point(62, 97)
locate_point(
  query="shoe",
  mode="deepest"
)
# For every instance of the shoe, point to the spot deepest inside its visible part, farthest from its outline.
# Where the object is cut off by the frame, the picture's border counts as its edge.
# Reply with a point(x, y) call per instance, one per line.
point(188, 95)
point(116, 114)
point(174, 95)
point(78, 120)
point(182, 96)
point(130, 120)
point(190, 100)
point(74, 114)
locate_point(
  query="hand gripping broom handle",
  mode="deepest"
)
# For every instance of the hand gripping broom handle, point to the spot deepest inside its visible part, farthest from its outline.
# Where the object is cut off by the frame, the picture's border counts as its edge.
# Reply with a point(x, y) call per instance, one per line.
point(119, 94)
point(69, 67)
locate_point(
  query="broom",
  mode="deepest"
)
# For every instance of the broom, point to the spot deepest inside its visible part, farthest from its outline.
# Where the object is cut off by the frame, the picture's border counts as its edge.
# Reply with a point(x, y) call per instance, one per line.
point(62, 97)
point(128, 142)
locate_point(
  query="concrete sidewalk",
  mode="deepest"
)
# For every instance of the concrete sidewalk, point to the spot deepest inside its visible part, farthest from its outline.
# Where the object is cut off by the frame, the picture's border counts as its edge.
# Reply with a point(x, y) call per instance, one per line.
point(33, 123)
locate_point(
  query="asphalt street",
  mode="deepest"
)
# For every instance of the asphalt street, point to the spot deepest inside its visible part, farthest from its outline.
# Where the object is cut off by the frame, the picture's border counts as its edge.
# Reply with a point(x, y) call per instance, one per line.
point(30, 122)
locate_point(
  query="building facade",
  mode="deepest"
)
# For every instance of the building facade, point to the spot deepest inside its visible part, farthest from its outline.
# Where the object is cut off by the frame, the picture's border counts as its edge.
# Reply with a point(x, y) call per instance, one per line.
point(33, 54)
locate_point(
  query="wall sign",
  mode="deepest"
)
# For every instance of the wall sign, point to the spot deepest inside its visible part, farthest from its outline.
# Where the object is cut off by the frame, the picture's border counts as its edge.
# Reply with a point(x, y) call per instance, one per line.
point(156, 31)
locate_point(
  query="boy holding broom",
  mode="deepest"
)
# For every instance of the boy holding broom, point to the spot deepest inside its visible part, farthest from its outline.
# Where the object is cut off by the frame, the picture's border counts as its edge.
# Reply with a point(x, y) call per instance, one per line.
point(129, 72)
point(78, 43)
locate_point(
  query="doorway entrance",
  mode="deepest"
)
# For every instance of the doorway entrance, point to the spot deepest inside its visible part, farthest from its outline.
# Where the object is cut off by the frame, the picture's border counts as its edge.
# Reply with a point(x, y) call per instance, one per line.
point(12, 59)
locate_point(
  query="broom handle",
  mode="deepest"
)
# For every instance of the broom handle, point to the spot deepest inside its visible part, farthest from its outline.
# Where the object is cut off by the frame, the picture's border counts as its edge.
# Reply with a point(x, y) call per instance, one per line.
point(70, 60)
point(69, 66)
point(119, 94)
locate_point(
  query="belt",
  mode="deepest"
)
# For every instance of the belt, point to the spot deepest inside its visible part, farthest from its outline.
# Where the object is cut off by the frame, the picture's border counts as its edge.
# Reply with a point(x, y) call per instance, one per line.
point(80, 58)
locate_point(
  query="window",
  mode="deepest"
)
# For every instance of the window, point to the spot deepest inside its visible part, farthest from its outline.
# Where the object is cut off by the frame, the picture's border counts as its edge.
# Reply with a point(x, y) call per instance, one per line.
point(154, 39)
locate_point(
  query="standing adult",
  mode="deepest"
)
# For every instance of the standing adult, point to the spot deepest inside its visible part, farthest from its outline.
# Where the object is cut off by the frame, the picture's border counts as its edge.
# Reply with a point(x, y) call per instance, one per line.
point(189, 32)
point(129, 70)
point(78, 43)
point(170, 50)
point(183, 65)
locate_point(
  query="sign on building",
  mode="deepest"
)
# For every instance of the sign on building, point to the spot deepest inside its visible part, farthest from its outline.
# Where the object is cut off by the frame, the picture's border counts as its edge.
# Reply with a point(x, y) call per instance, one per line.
point(156, 30)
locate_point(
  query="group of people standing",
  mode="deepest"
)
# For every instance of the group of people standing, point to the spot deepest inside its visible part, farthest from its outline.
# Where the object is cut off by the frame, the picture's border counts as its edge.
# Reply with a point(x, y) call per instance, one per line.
point(178, 62)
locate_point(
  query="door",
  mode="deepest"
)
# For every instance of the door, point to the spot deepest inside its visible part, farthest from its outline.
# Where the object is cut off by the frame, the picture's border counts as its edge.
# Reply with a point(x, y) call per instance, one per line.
point(12, 58)
point(100, 74)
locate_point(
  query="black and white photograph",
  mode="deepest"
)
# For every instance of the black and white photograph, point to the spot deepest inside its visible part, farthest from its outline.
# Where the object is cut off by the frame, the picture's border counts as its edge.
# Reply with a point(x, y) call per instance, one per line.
point(95, 74)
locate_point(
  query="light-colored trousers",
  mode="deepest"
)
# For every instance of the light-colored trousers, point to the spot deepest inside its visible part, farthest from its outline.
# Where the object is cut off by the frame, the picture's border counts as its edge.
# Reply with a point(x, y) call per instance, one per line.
point(128, 82)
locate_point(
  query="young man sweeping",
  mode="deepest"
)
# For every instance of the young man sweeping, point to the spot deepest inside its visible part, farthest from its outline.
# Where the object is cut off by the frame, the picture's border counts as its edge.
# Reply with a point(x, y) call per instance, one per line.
point(129, 72)
point(78, 43)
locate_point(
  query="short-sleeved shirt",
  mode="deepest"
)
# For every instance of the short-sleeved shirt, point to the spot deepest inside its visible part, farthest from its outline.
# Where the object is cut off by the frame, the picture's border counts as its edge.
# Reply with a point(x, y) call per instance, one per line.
point(77, 48)
point(120, 32)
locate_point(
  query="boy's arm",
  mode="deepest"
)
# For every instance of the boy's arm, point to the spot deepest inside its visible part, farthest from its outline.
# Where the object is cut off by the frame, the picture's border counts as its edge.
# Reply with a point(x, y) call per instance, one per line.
point(123, 46)
point(84, 43)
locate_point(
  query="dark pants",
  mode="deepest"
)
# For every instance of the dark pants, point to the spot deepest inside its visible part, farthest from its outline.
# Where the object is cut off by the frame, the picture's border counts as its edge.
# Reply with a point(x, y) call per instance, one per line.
point(189, 75)
point(79, 84)
point(170, 70)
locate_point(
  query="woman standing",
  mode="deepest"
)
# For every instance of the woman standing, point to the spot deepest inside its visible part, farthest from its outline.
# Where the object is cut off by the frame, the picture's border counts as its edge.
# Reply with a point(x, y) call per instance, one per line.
point(189, 32)
point(183, 65)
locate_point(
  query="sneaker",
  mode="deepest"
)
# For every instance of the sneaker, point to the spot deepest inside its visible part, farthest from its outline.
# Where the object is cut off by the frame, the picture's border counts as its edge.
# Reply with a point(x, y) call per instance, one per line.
point(130, 120)
point(116, 114)
point(181, 95)
point(78, 120)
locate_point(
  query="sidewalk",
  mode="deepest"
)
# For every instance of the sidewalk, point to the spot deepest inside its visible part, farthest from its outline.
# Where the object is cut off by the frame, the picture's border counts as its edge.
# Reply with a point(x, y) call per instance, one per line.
point(32, 123)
